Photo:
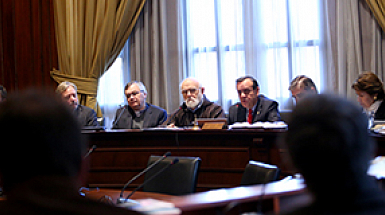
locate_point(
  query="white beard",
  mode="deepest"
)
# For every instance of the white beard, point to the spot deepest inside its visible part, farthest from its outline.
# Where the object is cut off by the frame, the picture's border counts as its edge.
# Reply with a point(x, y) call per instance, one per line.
point(192, 103)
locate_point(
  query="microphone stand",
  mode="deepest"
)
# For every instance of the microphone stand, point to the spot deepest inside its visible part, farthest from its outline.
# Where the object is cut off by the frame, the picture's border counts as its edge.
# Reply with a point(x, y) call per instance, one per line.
point(141, 173)
point(129, 202)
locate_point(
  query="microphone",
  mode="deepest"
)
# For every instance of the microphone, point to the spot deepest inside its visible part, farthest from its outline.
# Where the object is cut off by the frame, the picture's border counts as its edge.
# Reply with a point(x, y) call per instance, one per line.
point(90, 151)
point(118, 118)
point(141, 173)
point(133, 202)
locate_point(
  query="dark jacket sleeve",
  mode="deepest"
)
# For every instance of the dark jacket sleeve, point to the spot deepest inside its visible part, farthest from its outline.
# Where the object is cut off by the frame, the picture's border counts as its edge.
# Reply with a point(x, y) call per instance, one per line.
point(231, 119)
point(172, 118)
point(273, 113)
point(117, 118)
point(380, 113)
point(163, 117)
point(217, 112)
point(87, 116)
point(92, 118)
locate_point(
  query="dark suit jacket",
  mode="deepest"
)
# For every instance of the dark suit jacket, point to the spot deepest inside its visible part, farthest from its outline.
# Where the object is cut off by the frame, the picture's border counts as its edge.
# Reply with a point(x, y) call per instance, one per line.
point(153, 116)
point(380, 114)
point(266, 110)
point(86, 116)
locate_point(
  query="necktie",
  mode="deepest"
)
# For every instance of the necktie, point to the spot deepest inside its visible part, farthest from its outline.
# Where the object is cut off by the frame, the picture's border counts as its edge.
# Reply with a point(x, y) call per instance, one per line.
point(250, 118)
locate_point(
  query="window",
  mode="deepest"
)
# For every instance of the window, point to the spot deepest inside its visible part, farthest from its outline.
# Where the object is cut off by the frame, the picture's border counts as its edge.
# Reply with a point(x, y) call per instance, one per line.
point(272, 40)
point(111, 87)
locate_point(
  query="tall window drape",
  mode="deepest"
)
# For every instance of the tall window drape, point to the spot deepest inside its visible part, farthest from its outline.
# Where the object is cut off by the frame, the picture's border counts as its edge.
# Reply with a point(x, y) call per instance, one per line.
point(89, 37)
point(358, 44)
point(378, 9)
point(111, 86)
point(273, 40)
point(157, 52)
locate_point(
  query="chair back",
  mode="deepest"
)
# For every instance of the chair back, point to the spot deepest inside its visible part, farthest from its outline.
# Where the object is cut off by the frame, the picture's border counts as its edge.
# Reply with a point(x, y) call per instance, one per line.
point(179, 179)
point(259, 173)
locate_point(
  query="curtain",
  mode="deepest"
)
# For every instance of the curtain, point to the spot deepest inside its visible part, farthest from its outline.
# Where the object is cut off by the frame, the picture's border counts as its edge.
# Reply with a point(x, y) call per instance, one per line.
point(357, 44)
point(90, 35)
point(156, 52)
point(378, 9)
point(111, 87)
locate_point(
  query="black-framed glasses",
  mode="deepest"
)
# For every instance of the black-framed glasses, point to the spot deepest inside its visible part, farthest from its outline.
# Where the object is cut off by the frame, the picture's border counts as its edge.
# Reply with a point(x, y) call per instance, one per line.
point(192, 91)
point(134, 93)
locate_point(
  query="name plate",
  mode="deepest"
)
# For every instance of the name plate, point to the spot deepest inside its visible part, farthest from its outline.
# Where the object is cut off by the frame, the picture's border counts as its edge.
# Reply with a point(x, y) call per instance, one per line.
point(213, 125)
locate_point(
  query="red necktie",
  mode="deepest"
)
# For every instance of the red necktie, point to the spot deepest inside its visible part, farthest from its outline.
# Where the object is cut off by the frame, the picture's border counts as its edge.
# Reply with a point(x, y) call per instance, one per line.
point(250, 118)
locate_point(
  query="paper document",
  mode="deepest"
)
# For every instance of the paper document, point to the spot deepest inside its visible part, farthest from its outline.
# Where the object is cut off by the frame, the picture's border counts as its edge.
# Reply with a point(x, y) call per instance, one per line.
point(265, 125)
point(154, 206)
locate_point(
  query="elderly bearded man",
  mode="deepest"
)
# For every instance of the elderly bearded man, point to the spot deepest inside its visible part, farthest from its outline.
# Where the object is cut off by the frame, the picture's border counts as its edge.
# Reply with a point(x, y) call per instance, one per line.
point(195, 105)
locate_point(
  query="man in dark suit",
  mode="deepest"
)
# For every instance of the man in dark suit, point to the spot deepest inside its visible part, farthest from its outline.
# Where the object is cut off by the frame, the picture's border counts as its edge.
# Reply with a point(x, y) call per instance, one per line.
point(43, 166)
point(328, 143)
point(86, 116)
point(252, 107)
point(138, 113)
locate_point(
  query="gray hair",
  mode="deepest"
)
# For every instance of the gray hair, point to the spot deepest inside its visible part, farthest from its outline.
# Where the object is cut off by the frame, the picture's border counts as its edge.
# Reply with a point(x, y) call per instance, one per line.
point(140, 85)
point(191, 78)
point(64, 85)
point(303, 82)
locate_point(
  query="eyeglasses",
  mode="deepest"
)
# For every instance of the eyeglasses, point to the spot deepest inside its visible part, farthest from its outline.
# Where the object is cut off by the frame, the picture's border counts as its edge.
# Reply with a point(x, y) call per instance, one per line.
point(192, 91)
point(134, 93)
point(245, 91)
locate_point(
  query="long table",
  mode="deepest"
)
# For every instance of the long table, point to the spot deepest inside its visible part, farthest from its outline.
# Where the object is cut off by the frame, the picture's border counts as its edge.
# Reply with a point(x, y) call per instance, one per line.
point(121, 154)
point(275, 197)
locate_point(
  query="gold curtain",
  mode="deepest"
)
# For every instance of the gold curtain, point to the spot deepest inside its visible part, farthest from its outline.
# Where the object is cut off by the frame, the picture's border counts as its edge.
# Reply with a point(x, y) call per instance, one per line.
point(378, 9)
point(90, 35)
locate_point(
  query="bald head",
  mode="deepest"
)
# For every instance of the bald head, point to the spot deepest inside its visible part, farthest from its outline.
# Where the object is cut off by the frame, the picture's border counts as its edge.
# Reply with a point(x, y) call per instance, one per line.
point(192, 92)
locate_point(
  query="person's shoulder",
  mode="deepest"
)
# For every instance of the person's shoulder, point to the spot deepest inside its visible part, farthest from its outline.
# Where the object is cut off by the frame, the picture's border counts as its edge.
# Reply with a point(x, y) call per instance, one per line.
point(85, 108)
point(157, 108)
point(266, 99)
point(235, 106)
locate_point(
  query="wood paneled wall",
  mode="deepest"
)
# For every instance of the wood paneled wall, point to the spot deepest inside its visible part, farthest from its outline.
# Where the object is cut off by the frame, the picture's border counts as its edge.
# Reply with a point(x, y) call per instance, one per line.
point(27, 44)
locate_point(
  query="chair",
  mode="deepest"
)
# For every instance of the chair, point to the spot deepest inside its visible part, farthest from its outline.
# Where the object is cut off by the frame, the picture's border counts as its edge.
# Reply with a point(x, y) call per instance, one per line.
point(259, 173)
point(179, 179)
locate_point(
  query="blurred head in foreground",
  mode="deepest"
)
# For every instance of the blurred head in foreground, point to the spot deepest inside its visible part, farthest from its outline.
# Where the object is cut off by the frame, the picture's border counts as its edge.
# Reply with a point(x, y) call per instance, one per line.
point(329, 144)
point(44, 139)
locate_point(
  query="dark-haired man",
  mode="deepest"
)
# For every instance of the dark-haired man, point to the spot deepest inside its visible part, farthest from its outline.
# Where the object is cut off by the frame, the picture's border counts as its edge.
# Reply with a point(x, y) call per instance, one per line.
point(252, 107)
